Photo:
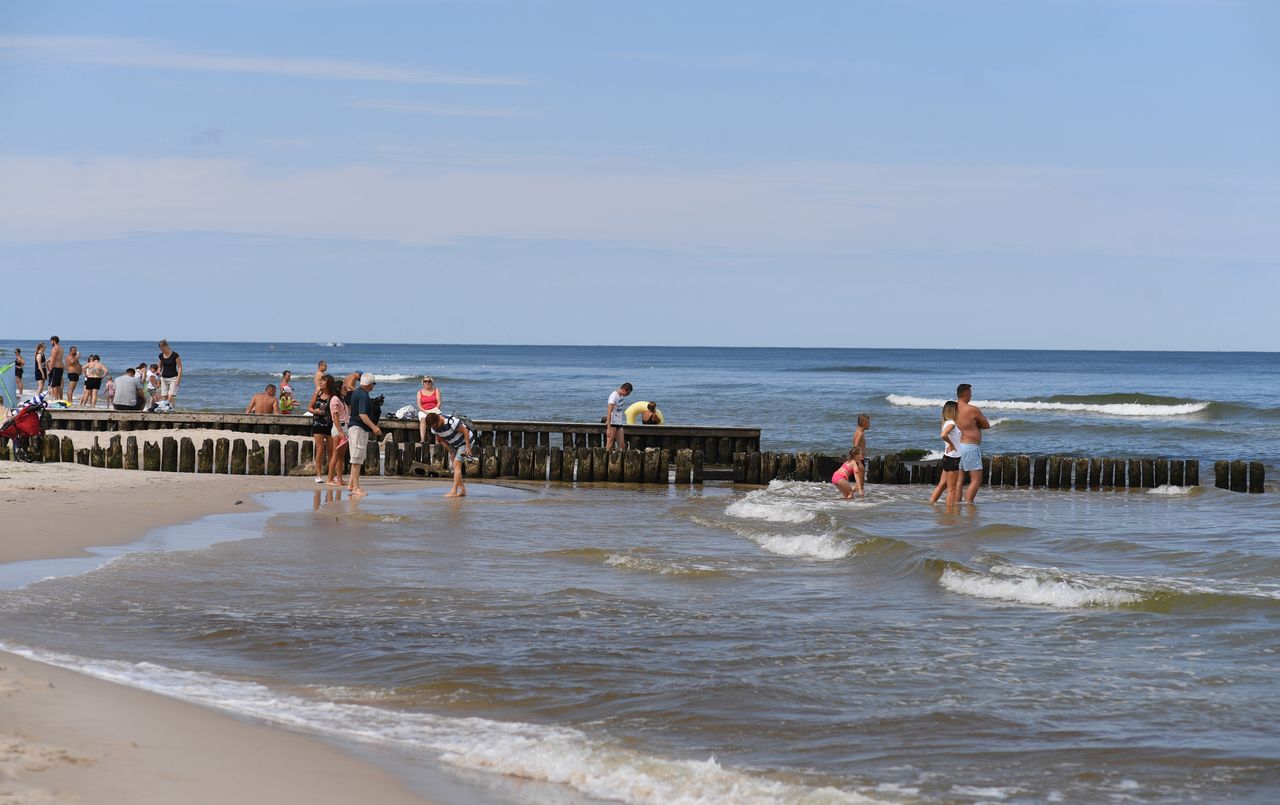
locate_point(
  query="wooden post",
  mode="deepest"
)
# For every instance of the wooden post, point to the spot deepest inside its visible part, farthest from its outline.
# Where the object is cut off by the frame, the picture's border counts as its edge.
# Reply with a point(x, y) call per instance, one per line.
point(1081, 473)
point(568, 462)
point(51, 449)
point(507, 467)
point(488, 461)
point(649, 469)
point(83, 457)
point(115, 453)
point(257, 459)
point(890, 464)
point(768, 468)
point(633, 467)
point(739, 468)
point(1193, 472)
point(524, 463)
point(1161, 472)
point(131, 453)
point(599, 464)
point(1107, 476)
point(371, 461)
point(186, 455)
point(555, 463)
point(204, 457)
point(150, 456)
point(222, 455)
point(994, 474)
point(1134, 466)
point(711, 450)
point(1257, 477)
point(1009, 470)
point(1176, 474)
point(1222, 474)
point(168, 454)
point(615, 469)
point(753, 468)
point(97, 455)
point(1239, 476)
point(1095, 473)
point(664, 466)
point(68, 448)
point(918, 474)
point(239, 457)
point(1148, 473)
point(684, 466)
point(290, 458)
point(786, 466)
point(540, 462)
point(1054, 478)
point(306, 454)
point(390, 457)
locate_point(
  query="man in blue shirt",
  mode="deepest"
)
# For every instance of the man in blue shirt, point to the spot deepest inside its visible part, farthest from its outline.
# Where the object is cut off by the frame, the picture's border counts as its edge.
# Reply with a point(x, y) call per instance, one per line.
point(359, 426)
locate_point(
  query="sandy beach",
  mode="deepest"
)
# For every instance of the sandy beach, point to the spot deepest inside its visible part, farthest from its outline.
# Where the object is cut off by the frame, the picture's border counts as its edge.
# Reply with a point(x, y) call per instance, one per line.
point(67, 737)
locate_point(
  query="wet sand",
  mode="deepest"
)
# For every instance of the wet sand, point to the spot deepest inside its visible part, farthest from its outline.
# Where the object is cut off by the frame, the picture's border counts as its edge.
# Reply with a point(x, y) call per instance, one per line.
point(69, 737)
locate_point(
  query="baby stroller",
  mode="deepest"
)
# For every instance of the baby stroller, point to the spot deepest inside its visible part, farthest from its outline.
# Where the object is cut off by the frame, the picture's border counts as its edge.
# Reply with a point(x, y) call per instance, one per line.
point(27, 421)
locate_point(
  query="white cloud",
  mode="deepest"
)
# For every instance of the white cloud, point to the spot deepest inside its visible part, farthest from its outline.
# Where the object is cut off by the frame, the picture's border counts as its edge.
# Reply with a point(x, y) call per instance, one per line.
point(122, 52)
point(414, 107)
point(787, 210)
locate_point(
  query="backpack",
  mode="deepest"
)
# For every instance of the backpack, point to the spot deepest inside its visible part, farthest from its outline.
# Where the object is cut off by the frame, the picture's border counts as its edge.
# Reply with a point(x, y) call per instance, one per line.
point(375, 408)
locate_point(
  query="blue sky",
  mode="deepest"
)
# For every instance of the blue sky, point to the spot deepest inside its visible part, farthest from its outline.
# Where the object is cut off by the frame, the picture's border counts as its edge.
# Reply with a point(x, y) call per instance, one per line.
point(920, 173)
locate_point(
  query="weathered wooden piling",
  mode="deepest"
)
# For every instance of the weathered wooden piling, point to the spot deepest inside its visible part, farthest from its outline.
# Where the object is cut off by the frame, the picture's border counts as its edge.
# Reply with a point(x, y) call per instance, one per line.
point(204, 457)
point(68, 450)
point(1239, 476)
point(51, 449)
point(273, 457)
point(1193, 472)
point(507, 465)
point(633, 467)
point(186, 455)
point(684, 466)
point(555, 463)
point(1257, 477)
point(306, 453)
point(290, 458)
point(84, 457)
point(239, 457)
point(257, 460)
point(1054, 478)
point(390, 457)
point(890, 468)
point(1222, 474)
point(131, 453)
point(168, 454)
point(1082, 474)
point(150, 456)
point(524, 463)
point(115, 453)
point(1177, 472)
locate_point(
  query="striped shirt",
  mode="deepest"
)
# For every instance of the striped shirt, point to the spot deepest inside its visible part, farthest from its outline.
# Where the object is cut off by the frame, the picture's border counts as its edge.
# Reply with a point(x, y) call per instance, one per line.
point(450, 432)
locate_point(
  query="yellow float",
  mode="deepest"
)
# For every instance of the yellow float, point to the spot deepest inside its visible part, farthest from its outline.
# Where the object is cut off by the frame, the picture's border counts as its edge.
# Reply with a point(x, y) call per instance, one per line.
point(637, 408)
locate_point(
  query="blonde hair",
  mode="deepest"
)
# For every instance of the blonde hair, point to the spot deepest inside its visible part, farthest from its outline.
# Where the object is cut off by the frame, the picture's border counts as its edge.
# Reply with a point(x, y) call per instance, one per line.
point(949, 410)
point(854, 454)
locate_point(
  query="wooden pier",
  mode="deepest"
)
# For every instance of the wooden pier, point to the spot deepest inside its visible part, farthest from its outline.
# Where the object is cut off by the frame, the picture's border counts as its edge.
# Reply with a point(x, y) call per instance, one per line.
point(574, 451)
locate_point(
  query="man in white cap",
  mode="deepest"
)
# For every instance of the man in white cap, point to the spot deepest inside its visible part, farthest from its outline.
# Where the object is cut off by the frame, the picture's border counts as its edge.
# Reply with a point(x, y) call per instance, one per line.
point(359, 426)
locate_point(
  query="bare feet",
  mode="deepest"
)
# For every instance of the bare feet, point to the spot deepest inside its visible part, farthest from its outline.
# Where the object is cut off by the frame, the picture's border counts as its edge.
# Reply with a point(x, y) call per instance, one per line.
point(358, 493)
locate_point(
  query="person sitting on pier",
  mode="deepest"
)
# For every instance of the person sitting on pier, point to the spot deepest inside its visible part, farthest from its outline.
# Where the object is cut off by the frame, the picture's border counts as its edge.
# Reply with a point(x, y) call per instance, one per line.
point(650, 415)
point(264, 402)
point(127, 394)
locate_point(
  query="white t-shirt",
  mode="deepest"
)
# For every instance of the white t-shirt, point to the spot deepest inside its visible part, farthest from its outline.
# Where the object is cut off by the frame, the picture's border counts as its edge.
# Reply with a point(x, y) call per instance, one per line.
point(953, 438)
point(619, 411)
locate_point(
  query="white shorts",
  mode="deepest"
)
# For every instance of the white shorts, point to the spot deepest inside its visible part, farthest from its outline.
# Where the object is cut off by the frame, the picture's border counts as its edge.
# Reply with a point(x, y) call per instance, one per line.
point(168, 386)
point(423, 414)
point(357, 443)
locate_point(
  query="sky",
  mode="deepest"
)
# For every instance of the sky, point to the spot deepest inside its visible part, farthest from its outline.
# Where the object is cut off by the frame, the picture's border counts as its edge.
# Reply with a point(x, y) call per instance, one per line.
point(1058, 174)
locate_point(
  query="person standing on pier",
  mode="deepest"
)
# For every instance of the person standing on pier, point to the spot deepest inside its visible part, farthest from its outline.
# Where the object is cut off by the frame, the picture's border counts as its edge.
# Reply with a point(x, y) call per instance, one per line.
point(19, 364)
point(170, 372)
point(971, 422)
point(615, 416)
point(56, 367)
point(359, 426)
point(74, 367)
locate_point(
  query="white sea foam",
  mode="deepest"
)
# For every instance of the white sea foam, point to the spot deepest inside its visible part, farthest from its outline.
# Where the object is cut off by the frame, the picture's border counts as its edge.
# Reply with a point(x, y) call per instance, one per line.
point(762, 505)
point(564, 755)
point(1110, 409)
point(1169, 489)
point(630, 561)
point(1027, 586)
point(809, 546)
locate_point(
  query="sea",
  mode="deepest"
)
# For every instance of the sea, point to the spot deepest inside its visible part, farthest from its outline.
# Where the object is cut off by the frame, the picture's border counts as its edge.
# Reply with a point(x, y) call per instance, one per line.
point(579, 643)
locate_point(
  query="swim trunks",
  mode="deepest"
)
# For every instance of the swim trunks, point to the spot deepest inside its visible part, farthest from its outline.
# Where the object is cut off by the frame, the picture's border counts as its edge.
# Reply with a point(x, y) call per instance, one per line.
point(970, 457)
point(74, 377)
point(950, 463)
point(92, 383)
point(55, 376)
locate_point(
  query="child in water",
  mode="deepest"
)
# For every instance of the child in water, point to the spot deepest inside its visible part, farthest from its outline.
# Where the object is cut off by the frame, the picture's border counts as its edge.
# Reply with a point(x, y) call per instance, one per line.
point(951, 475)
point(287, 401)
point(852, 465)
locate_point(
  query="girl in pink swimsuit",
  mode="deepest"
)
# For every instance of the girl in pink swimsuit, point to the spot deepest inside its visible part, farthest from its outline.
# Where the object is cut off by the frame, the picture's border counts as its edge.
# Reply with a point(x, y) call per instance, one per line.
point(851, 466)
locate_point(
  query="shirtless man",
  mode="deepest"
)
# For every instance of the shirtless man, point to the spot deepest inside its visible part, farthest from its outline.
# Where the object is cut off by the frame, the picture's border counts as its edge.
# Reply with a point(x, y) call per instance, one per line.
point(322, 368)
point(264, 402)
point(57, 365)
point(74, 367)
point(971, 422)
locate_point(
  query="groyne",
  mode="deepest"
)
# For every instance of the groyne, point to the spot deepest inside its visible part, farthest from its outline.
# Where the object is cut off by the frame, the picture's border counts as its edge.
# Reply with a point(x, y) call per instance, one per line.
point(568, 451)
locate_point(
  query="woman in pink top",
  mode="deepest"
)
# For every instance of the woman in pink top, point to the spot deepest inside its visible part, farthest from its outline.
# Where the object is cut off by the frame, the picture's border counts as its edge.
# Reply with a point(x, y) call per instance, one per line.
point(851, 466)
point(337, 435)
point(429, 400)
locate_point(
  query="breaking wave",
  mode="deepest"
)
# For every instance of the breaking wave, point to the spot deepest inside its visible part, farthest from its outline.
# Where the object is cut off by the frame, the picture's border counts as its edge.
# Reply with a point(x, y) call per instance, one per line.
point(1138, 405)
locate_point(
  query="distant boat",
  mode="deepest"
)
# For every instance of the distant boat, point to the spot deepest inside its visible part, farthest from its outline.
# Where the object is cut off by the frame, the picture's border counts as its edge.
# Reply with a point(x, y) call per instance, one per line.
point(334, 344)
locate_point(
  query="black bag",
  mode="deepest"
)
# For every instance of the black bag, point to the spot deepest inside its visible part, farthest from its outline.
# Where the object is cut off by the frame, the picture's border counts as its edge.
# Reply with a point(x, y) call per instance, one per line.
point(375, 408)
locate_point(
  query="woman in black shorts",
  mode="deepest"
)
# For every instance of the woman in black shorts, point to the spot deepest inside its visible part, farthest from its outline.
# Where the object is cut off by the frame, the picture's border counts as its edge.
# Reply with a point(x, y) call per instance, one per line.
point(321, 422)
point(19, 363)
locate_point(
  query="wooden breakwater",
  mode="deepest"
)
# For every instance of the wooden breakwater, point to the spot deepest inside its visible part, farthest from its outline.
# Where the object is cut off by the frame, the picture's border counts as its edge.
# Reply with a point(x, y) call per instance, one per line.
point(718, 444)
point(651, 465)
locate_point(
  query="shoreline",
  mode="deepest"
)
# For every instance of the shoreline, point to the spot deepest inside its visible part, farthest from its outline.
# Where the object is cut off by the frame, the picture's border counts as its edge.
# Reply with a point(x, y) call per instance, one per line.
point(69, 736)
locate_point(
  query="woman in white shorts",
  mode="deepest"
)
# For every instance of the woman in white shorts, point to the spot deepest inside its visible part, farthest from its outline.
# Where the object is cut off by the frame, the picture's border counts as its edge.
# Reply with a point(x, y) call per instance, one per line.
point(429, 400)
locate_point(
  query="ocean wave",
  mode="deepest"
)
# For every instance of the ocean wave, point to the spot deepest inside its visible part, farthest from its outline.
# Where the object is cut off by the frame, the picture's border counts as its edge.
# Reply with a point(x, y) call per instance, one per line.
point(765, 504)
point(1169, 490)
point(1131, 409)
point(826, 547)
point(631, 561)
point(568, 756)
point(844, 369)
point(1042, 590)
